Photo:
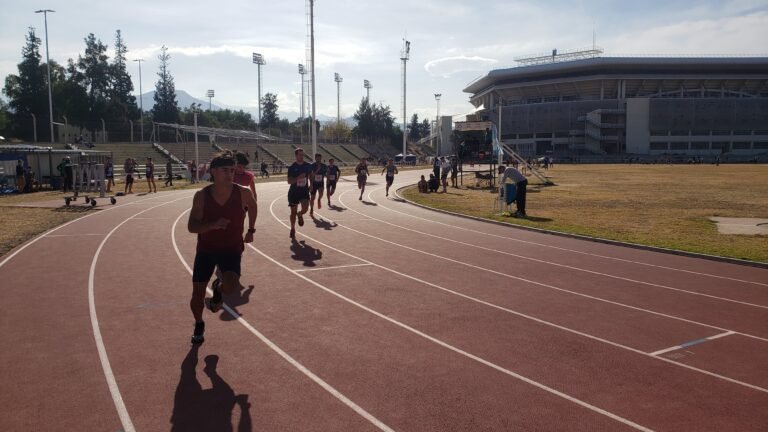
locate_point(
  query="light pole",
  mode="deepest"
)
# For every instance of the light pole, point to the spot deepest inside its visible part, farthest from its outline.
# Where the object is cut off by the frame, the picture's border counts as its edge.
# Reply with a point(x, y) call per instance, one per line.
point(405, 54)
point(141, 102)
point(195, 107)
point(302, 72)
point(259, 61)
point(48, 66)
point(312, 71)
point(367, 85)
point(34, 126)
point(437, 123)
point(210, 96)
point(338, 79)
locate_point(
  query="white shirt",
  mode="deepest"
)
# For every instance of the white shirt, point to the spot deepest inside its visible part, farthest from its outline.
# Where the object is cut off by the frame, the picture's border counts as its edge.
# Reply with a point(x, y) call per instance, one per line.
point(513, 174)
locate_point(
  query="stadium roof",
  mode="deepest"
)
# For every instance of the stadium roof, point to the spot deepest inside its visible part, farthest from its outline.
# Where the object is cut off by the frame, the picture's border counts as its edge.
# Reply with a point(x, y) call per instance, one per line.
point(624, 67)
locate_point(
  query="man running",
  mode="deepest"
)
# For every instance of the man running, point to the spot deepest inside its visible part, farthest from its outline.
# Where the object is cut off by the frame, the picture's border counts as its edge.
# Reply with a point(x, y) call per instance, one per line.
point(150, 171)
point(391, 170)
point(298, 192)
point(362, 176)
point(333, 176)
point(218, 212)
point(319, 170)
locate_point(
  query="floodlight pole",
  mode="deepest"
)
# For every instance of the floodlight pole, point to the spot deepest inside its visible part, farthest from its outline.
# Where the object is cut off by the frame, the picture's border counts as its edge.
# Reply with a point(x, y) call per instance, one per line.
point(312, 71)
point(437, 122)
point(210, 96)
point(141, 102)
point(338, 79)
point(197, 155)
point(48, 66)
point(259, 61)
point(367, 85)
point(404, 56)
point(302, 72)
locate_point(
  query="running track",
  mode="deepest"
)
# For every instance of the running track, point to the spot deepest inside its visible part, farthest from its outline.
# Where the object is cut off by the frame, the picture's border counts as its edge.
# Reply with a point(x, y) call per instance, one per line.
point(383, 316)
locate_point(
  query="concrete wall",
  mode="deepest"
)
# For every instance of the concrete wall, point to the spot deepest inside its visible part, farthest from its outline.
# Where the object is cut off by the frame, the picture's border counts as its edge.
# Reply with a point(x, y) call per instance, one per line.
point(638, 132)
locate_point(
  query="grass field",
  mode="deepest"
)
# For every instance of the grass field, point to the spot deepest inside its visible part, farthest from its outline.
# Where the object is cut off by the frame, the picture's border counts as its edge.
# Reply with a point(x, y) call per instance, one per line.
point(657, 205)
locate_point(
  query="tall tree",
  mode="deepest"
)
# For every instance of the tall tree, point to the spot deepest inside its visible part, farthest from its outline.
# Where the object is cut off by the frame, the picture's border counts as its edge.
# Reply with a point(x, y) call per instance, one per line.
point(97, 76)
point(425, 127)
point(26, 91)
point(166, 107)
point(122, 104)
point(414, 132)
point(269, 117)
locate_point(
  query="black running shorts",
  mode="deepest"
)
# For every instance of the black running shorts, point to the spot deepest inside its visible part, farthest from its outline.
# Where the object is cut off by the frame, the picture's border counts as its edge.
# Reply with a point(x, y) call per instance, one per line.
point(297, 195)
point(206, 262)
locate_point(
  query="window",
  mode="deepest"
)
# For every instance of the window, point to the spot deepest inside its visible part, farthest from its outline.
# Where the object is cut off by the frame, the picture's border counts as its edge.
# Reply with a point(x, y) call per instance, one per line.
point(761, 145)
point(742, 132)
point(525, 136)
point(721, 132)
point(739, 145)
point(561, 134)
point(659, 146)
point(658, 133)
point(678, 146)
point(699, 145)
point(543, 135)
point(679, 133)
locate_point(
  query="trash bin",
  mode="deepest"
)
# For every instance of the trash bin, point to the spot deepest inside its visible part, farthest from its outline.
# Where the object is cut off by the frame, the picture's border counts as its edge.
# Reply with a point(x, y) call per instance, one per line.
point(510, 193)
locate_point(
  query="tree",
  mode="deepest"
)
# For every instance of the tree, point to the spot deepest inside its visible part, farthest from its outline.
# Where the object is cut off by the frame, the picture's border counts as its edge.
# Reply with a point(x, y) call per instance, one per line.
point(374, 121)
point(269, 107)
point(26, 91)
point(414, 127)
point(96, 76)
point(122, 104)
point(336, 131)
point(425, 127)
point(166, 107)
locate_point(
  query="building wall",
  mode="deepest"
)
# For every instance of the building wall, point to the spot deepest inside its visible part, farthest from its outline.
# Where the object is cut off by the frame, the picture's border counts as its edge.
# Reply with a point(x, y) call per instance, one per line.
point(638, 132)
point(709, 114)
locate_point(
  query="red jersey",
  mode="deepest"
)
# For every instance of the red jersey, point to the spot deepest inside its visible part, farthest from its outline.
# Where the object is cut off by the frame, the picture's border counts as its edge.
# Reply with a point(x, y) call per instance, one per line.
point(244, 179)
point(229, 240)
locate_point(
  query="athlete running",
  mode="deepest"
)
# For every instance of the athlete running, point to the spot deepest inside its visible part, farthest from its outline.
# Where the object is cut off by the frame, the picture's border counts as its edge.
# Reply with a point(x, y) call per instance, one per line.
point(391, 170)
point(319, 169)
point(298, 192)
point(333, 176)
point(217, 217)
point(362, 176)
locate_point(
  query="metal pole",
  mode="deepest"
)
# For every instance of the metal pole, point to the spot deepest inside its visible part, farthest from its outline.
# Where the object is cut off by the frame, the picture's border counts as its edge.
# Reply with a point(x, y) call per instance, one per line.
point(404, 114)
point(312, 59)
point(48, 66)
point(103, 132)
point(259, 74)
point(141, 103)
point(34, 126)
point(197, 155)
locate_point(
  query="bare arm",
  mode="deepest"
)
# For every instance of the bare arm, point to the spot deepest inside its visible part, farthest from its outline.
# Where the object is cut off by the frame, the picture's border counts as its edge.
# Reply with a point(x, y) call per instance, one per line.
point(248, 198)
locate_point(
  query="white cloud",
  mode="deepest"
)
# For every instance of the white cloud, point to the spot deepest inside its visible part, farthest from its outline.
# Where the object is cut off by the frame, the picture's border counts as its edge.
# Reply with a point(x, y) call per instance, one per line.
point(448, 66)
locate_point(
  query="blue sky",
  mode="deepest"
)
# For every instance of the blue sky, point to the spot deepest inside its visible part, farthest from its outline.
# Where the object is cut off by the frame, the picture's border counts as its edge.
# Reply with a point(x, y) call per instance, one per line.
point(452, 42)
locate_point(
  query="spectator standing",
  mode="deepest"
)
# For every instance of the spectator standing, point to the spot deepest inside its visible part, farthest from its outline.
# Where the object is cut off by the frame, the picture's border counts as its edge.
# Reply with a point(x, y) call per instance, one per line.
point(521, 184)
point(169, 173)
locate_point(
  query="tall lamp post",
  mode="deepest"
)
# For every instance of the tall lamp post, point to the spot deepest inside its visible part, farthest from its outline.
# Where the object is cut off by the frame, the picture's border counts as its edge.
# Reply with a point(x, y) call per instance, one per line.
point(367, 85)
point(195, 109)
point(259, 61)
point(311, 5)
point(302, 72)
point(141, 102)
point(405, 54)
point(437, 123)
point(48, 66)
point(210, 96)
point(338, 79)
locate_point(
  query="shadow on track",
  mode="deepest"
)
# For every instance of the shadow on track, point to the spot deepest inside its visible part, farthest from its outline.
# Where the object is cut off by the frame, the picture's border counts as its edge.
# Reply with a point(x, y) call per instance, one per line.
point(195, 409)
point(235, 299)
point(307, 254)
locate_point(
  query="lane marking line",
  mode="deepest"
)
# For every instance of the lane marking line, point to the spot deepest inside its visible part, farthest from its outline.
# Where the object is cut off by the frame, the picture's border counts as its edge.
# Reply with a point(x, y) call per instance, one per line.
point(114, 390)
point(72, 235)
point(549, 286)
point(331, 267)
point(532, 318)
point(566, 249)
point(558, 264)
point(691, 343)
point(47, 233)
point(311, 375)
point(447, 345)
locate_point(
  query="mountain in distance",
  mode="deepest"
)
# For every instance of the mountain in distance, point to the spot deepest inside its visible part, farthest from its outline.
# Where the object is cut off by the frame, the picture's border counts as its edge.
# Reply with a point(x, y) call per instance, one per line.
point(184, 100)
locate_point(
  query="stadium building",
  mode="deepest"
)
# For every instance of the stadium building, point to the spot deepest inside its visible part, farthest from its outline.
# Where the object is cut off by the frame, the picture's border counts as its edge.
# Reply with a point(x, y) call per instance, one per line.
point(618, 105)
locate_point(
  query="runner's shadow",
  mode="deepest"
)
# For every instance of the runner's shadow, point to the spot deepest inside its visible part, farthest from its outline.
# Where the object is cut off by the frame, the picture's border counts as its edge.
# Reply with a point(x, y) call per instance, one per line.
point(336, 208)
point(324, 224)
point(233, 300)
point(306, 253)
point(195, 409)
point(368, 203)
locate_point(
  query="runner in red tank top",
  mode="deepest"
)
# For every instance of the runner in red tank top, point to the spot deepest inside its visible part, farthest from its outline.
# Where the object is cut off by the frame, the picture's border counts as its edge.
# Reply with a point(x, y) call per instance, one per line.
point(217, 217)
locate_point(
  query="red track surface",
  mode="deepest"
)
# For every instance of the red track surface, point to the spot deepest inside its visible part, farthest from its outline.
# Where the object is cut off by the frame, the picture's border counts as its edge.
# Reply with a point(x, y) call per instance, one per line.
point(383, 316)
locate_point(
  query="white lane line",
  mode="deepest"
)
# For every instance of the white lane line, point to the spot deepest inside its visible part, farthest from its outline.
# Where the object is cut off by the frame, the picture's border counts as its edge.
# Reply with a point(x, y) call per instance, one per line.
point(122, 411)
point(691, 343)
point(570, 250)
point(541, 321)
point(558, 264)
point(332, 267)
point(47, 233)
point(437, 256)
point(72, 235)
point(447, 345)
point(293, 362)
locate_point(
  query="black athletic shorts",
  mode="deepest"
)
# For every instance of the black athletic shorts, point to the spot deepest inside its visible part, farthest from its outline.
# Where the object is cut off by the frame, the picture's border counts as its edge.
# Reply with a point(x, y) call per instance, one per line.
point(331, 184)
point(297, 195)
point(390, 180)
point(206, 262)
point(316, 186)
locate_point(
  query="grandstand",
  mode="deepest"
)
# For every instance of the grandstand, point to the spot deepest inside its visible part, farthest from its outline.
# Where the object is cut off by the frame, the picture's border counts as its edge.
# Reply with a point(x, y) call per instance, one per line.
point(641, 106)
point(140, 152)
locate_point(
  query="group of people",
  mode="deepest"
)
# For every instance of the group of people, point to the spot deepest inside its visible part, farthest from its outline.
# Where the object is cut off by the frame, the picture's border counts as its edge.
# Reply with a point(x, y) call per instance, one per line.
point(219, 210)
point(25, 178)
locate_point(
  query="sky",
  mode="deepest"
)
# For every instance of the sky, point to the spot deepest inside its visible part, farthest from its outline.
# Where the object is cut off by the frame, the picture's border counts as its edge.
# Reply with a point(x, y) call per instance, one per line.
point(452, 42)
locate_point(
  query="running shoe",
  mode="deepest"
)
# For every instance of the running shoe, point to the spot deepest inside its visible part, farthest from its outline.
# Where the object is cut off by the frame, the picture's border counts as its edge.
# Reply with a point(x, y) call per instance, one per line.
point(301, 220)
point(212, 305)
point(197, 336)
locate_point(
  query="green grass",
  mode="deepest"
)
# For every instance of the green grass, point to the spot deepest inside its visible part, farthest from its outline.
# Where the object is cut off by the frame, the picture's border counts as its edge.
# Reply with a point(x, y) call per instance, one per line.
point(657, 205)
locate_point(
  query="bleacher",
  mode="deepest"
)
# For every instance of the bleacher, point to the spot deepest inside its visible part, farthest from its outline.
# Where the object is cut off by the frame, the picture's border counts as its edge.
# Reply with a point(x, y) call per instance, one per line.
point(342, 155)
point(357, 151)
point(186, 151)
point(138, 151)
